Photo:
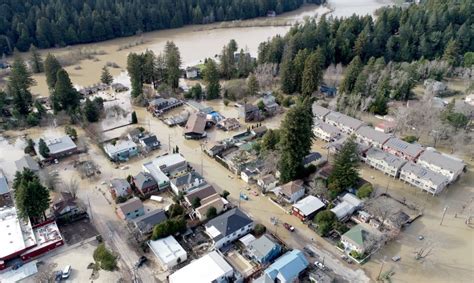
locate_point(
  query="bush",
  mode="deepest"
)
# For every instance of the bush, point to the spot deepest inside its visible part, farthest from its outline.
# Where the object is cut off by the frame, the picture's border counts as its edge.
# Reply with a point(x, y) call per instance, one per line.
point(259, 229)
point(410, 139)
point(225, 194)
point(169, 227)
point(211, 212)
point(226, 102)
point(134, 117)
point(175, 210)
point(33, 119)
point(356, 255)
point(365, 191)
point(105, 258)
point(71, 132)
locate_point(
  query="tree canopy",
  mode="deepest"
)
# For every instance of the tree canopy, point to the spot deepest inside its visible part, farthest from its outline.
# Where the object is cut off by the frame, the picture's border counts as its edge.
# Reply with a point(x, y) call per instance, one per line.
point(31, 197)
point(18, 86)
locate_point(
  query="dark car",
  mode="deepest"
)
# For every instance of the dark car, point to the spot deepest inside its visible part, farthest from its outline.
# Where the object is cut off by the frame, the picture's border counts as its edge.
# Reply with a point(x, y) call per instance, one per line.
point(309, 251)
point(141, 261)
point(288, 227)
point(58, 276)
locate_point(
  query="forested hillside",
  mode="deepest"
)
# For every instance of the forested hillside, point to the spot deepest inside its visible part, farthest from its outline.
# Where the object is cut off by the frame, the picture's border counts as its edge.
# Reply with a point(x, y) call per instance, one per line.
point(49, 23)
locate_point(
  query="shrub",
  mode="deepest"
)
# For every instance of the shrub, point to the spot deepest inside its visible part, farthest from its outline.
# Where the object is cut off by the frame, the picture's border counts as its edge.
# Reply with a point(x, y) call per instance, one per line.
point(225, 194)
point(211, 212)
point(33, 119)
point(134, 117)
point(105, 258)
point(259, 229)
point(365, 191)
point(169, 227)
point(410, 139)
point(226, 102)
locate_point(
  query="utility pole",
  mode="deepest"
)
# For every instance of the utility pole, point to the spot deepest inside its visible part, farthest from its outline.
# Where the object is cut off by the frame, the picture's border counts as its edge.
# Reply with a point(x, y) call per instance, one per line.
point(169, 142)
point(444, 213)
point(381, 267)
point(90, 208)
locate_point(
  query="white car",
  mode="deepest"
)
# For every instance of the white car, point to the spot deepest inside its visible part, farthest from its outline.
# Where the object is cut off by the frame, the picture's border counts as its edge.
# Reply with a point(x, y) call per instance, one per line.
point(319, 264)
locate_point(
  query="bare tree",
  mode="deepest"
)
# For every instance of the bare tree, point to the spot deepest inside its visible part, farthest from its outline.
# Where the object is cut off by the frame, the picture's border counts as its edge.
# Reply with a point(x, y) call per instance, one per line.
point(266, 75)
point(72, 187)
point(50, 179)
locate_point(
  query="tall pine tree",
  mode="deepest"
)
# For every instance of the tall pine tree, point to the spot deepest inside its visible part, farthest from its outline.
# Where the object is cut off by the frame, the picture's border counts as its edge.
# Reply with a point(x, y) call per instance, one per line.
point(173, 64)
point(313, 73)
point(211, 77)
point(106, 77)
point(36, 62)
point(19, 84)
point(51, 68)
point(65, 96)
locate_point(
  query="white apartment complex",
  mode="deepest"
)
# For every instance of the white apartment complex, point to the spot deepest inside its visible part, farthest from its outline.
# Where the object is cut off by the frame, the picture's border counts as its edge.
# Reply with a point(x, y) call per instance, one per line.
point(442, 164)
point(345, 123)
point(423, 178)
point(387, 163)
point(326, 132)
point(369, 136)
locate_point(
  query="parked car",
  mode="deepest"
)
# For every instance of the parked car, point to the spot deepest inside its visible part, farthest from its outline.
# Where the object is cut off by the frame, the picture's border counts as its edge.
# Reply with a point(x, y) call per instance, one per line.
point(141, 261)
point(396, 258)
point(320, 265)
point(288, 227)
point(58, 276)
point(254, 193)
point(66, 272)
point(309, 251)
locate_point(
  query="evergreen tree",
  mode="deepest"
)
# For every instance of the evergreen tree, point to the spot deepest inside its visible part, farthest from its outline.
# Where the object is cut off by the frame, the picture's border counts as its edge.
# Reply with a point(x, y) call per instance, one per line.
point(270, 140)
point(18, 86)
point(313, 73)
point(173, 64)
point(252, 85)
point(31, 198)
point(65, 96)
point(36, 62)
point(295, 140)
point(134, 117)
point(299, 63)
point(51, 68)
point(106, 77)
point(196, 91)
point(211, 77)
point(244, 65)
point(43, 148)
point(352, 72)
point(90, 111)
point(451, 53)
point(211, 212)
point(345, 174)
point(134, 69)
point(227, 63)
point(287, 75)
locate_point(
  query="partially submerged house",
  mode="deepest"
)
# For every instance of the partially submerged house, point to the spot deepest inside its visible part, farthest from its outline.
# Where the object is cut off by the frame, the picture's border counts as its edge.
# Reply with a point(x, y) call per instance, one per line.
point(149, 142)
point(286, 269)
point(145, 183)
point(423, 178)
point(228, 124)
point(228, 227)
point(168, 252)
point(161, 105)
point(66, 209)
point(200, 193)
point(192, 72)
point(263, 250)
point(27, 162)
point(187, 182)
point(144, 224)
point(130, 209)
point(271, 106)
point(267, 182)
point(250, 113)
point(195, 127)
point(291, 192)
point(306, 208)
point(58, 147)
point(120, 188)
point(387, 163)
point(165, 167)
point(121, 150)
point(441, 163)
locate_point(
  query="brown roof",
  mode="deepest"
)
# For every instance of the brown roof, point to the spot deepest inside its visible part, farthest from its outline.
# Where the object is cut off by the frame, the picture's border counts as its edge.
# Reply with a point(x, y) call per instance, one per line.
point(210, 199)
point(292, 187)
point(196, 123)
point(200, 193)
point(130, 205)
point(217, 203)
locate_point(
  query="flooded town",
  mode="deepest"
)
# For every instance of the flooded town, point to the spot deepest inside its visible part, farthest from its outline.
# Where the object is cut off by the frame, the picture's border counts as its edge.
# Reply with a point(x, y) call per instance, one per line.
point(318, 141)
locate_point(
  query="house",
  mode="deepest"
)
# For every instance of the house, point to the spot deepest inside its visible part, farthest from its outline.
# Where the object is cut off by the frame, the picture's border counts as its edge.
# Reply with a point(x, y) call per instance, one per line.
point(27, 162)
point(291, 192)
point(348, 205)
point(209, 268)
point(267, 182)
point(120, 188)
point(135, 134)
point(250, 173)
point(336, 146)
point(145, 183)
point(4, 188)
point(306, 208)
point(442, 164)
point(191, 72)
point(369, 136)
point(359, 238)
point(345, 123)
point(150, 142)
point(271, 14)
point(319, 112)
point(228, 227)
point(130, 209)
point(263, 249)
point(58, 147)
point(117, 87)
point(214, 148)
point(250, 113)
point(326, 132)
point(65, 208)
point(314, 158)
point(386, 127)
point(319, 276)
point(199, 193)
point(258, 132)
point(122, 150)
point(271, 106)
point(187, 182)
point(195, 127)
point(403, 149)
point(228, 124)
point(144, 224)
point(161, 105)
point(423, 178)
point(215, 200)
point(387, 163)
point(168, 252)
point(286, 269)
point(165, 167)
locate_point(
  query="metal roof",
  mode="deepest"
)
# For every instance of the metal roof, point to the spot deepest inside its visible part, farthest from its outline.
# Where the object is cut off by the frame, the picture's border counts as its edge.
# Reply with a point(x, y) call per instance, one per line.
point(388, 158)
point(411, 149)
point(319, 111)
point(27, 162)
point(424, 173)
point(229, 222)
point(345, 120)
point(373, 135)
point(309, 205)
point(3, 184)
point(325, 127)
point(442, 161)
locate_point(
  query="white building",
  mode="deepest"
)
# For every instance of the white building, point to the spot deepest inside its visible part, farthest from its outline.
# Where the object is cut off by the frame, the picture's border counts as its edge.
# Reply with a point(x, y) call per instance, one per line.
point(442, 164)
point(347, 206)
point(423, 178)
point(168, 252)
point(369, 136)
point(121, 150)
point(165, 167)
point(320, 112)
point(345, 123)
point(326, 132)
point(307, 207)
point(403, 149)
point(211, 268)
point(228, 227)
point(387, 163)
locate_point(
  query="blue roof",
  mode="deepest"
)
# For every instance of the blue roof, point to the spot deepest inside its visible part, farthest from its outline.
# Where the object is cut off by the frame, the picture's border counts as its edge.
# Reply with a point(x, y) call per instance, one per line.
point(290, 265)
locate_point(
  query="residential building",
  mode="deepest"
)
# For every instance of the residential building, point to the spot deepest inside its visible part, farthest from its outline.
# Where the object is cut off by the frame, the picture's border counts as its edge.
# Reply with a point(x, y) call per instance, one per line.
point(319, 112)
point(145, 183)
point(385, 127)
point(267, 182)
point(66, 209)
point(144, 224)
point(250, 113)
point(58, 147)
point(195, 127)
point(291, 192)
point(117, 87)
point(215, 148)
point(306, 208)
point(249, 173)
point(201, 193)
point(335, 146)
point(442, 164)
point(228, 227)
point(369, 136)
point(387, 163)
point(215, 200)
point(314, 158)
point(4, 188)
point(328, 91)
point(187, 182)
point(345, 123)
point(319, 276)
point(326, 132)
point(165, 167)
point(161, 105)
point(168, 252)
point(211, 268)
point(271, 107)
point(286, 269)
point(120, 188)
point(228, 124)
point(258, 132)
point(130, 209)
point(423, 178)
point(348, 205)
point(121, 150)
point(191, 72)
point(263, 249)
point(27, 162)
point(150, 142)
point(135, 134)
point(359, 238)
point(408, 151)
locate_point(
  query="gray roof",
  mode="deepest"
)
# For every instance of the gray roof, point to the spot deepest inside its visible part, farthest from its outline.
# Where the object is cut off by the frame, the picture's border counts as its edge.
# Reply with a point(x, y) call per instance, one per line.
point(345, 120)
point(330, 129)
point(27, 162)
point(147, 221)
point(119, 183)
point(262, 246)
point(411, 149)
point(3, 184)
point(442, 161)
point(144, 180)
point(229, 222)
point(319, 111)
point(390, 159)
point(371, 134)
point(130, 205)
point(58, 145)
point(424, 173)
point(150, 140)
point(188, 178)
point(201, 193)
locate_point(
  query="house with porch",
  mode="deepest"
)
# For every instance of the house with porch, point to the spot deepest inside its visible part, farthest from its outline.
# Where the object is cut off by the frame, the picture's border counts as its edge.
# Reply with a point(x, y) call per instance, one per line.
point(187, 182)
point(423, 178)
point(369, 136)
point(122, 150)
point(195, 127)
point(130, 209)
point(346, 124)
point(306, 208)
point(267, 182)
point(383, 161)
point(291, 192)
point(263, 250)
point(325, 131)
point(442, 163)
point(145, 183)
point(228, 227)
point(120, 188)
